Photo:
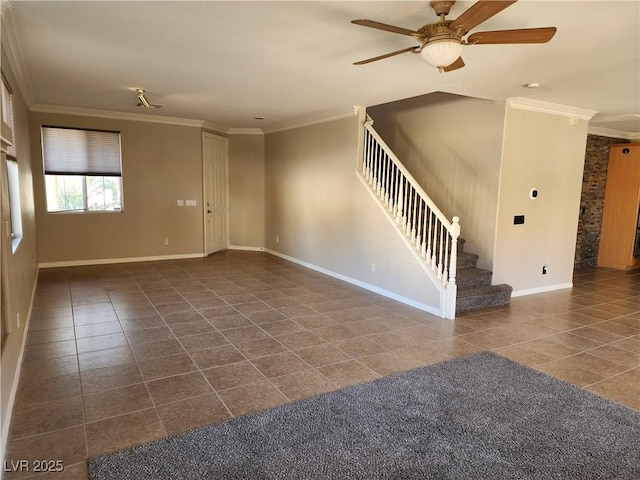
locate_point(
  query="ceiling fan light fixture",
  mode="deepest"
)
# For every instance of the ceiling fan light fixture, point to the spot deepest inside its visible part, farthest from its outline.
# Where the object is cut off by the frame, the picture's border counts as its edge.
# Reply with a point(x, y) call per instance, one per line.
point(441, 53)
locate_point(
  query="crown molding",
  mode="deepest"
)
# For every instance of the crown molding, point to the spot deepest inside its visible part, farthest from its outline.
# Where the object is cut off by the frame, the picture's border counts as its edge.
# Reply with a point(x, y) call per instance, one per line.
point(15, 58)
point(136, 117)
point(312, 120)
point(521, 103)
point(245, 131)
point(603, 126)
point(619, 118)
point(611, 133)
point(185, 122)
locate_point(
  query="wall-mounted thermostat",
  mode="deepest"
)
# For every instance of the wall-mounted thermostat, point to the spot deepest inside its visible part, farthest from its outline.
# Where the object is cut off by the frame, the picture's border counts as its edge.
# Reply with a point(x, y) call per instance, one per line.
point(533, 194)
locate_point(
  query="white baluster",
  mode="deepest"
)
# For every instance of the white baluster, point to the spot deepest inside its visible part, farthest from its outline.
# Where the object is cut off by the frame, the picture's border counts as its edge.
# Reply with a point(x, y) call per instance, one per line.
point(414, 217)
point(442, 247)
point(378, 169)
point(407, 224)
point(394, 195)
point(424, 233)
point(407, 199)
point(436, 241)
point(385, 160)
point(387, 182)
point(446, 257)
point(374, 152)
point(367, 169)
point(429, 236)
point(383, 174)
point(400, 202)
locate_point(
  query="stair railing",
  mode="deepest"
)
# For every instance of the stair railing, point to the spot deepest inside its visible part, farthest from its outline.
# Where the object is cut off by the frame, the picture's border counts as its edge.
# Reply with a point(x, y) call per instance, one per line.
point(433, 237)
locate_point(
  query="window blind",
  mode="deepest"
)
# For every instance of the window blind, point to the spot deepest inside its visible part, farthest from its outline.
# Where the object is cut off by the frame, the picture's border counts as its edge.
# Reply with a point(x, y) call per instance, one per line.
point(7, 113)
point(69, 151)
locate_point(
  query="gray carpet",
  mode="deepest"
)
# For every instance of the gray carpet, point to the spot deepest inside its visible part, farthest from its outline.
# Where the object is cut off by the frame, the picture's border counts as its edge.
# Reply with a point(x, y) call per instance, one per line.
point(477, 417)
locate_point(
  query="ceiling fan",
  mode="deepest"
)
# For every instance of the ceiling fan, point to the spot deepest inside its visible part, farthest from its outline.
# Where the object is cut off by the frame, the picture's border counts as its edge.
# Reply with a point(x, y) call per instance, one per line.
point(440, 43)
point(143, 102)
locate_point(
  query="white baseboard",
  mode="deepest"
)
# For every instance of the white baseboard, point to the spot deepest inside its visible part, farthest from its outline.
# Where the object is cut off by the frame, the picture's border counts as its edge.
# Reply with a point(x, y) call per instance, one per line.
point(106, 261)
point(533, 291)
point(246, 249)
point(372, 288)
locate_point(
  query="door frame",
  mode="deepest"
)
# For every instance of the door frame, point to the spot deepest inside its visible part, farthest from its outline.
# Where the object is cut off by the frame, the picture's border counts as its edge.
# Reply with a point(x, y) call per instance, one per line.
point(213, 136)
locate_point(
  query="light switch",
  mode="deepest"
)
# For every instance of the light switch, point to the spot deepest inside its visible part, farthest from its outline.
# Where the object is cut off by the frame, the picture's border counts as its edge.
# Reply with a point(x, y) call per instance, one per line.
point(180, 203)
point(191, 203)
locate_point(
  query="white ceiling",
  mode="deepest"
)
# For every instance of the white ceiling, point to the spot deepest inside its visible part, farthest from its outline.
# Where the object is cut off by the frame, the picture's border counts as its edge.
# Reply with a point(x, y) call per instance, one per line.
point(226, 62)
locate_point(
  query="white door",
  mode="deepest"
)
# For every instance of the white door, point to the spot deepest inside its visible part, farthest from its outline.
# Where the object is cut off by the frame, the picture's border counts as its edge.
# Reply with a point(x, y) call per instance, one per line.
point(215, 160)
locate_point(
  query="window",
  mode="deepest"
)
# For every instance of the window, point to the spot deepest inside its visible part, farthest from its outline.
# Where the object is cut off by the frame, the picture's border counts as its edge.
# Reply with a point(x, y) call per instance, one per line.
point(82, 170)
point(14, 225)
point(7, 114)
point(14, 203)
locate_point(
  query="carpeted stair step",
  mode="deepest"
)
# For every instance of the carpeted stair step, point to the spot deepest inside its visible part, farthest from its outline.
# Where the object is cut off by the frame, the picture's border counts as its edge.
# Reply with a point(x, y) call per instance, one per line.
point(466, 260)
point(482, 296)
point(471, 276)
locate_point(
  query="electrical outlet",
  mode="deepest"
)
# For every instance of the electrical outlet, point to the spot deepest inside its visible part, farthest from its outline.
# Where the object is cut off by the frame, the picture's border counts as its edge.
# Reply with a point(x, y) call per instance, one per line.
point(544, 269)
point(277, 239)
point(166, 240)
point(373, 267)
point(180, 203)
point(18, 319)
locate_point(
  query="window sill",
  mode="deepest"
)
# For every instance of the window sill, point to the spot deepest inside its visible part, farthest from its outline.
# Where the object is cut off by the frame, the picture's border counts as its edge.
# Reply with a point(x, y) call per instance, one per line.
point(84, 212)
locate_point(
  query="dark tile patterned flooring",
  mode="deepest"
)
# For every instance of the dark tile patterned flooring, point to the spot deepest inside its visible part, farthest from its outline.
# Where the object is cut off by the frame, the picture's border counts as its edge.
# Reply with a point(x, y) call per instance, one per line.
point(122, 354)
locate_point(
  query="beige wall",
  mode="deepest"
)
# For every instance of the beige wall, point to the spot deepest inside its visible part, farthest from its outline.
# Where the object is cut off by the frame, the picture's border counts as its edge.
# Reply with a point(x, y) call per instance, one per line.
point(323, 215)
point(160, 164)
point(246, 191)
point(19, 269)
point(452, 146)
point(542, 151)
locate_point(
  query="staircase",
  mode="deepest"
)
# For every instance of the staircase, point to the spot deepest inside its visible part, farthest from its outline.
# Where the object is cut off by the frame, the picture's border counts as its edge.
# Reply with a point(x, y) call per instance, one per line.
point(431, 237)
point(475, 291)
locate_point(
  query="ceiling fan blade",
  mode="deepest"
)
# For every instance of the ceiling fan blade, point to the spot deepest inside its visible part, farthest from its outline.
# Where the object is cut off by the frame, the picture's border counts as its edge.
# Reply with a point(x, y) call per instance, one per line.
point(478, 13)
point(387, 55)
point(459, 63)
point(523, 35)
point(384, 26)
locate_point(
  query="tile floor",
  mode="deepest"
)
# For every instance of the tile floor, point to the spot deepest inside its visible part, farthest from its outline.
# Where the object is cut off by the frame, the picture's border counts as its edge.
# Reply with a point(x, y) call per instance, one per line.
point(118, 355)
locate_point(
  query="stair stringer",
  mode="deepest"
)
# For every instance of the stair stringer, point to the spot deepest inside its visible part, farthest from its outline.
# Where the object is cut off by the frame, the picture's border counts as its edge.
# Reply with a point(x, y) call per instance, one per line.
point(447, 293)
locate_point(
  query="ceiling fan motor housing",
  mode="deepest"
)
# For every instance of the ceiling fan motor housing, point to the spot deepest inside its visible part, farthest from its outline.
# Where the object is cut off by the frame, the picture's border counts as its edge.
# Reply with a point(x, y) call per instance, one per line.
point(434, 32)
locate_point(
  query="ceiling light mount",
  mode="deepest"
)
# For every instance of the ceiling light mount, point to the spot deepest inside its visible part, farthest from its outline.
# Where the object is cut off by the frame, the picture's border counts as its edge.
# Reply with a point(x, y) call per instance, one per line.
point(442, 7)
point(143, 101)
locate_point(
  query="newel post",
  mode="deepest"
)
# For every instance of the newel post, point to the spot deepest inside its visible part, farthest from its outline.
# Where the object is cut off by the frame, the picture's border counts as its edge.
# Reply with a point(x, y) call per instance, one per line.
point(455, 233)
point(361, 113)
point(452, 288)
